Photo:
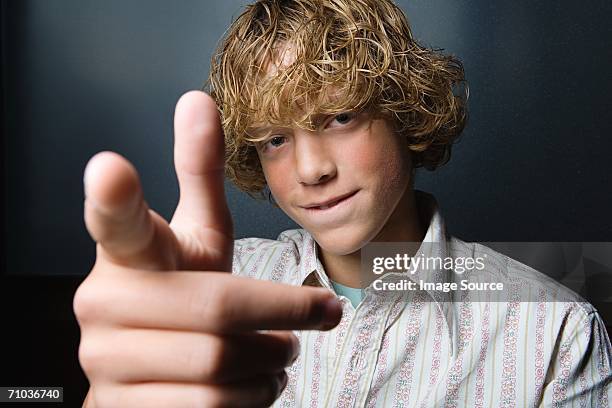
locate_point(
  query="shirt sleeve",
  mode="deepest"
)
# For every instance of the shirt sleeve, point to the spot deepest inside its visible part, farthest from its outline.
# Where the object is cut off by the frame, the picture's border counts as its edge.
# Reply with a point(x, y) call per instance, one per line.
point(580, 371)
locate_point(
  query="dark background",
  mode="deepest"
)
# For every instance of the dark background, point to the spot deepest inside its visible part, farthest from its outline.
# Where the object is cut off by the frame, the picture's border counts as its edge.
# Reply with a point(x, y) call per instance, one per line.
point(83, 76)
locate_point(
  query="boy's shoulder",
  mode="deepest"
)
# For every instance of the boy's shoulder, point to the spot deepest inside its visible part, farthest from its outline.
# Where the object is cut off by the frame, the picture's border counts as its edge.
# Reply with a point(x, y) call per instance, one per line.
point(279, 260)
point(270, 259)
point(531, 284)
point(292, 238)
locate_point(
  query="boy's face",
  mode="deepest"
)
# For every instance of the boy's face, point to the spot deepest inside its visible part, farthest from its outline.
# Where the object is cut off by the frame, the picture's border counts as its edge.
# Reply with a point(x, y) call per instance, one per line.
point(349, 155)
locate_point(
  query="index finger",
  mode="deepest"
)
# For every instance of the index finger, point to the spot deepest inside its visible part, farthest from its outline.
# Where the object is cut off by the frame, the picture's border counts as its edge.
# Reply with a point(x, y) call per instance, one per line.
point(213, 302)
point(120, 221)
point(251, 304)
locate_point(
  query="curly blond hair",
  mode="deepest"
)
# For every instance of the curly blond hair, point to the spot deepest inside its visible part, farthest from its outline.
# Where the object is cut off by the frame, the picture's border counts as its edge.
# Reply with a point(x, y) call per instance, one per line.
point(362, 51)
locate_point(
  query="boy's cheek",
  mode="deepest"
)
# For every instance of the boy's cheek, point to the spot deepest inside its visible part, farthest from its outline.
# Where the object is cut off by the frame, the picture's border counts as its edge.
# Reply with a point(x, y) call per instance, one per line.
point(279, 183)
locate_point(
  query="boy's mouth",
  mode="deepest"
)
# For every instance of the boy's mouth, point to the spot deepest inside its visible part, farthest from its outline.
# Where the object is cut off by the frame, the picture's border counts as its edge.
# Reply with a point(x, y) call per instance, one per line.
point(324, 205)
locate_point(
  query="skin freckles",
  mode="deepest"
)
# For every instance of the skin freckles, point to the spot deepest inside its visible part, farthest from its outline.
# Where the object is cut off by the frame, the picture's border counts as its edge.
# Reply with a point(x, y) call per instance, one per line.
point(362, 154)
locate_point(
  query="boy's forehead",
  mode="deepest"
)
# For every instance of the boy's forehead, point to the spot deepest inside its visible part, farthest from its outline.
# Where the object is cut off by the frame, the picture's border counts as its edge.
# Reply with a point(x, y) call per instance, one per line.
point(282, 56)
point(301, 111)
point(311, 115)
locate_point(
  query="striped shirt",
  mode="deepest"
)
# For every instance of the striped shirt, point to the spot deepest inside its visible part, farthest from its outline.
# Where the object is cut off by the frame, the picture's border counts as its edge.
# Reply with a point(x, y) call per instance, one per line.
point(433, 351)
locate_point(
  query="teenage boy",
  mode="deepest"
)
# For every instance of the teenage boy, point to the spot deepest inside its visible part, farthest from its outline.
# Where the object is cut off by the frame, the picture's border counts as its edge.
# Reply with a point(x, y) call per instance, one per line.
point(331, 105)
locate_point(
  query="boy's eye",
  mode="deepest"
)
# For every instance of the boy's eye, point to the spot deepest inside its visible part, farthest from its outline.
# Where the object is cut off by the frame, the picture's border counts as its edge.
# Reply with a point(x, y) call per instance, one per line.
point(338, 120)
point(343, 118)
point(274, 141)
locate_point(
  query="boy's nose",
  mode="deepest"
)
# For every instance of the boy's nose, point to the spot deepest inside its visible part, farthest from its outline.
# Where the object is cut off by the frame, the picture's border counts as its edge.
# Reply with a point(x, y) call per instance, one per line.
point(314, 163)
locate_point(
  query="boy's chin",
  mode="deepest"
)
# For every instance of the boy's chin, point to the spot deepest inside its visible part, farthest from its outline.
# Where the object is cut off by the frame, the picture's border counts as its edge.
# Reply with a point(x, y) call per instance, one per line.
point(339, 245)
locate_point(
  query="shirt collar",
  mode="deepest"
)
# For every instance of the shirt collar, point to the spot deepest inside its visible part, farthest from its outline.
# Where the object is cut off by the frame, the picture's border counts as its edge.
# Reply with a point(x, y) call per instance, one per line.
point(435, 244)
point(311, 269)
point(436, 239)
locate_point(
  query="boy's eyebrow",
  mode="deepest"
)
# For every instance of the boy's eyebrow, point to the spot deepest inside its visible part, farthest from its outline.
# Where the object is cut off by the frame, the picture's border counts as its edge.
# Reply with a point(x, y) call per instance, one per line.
point(264, 129)
point(316, 119)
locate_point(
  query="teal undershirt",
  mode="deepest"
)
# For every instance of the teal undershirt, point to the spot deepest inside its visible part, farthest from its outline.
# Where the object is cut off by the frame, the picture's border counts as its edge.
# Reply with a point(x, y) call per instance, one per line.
point(352, 294)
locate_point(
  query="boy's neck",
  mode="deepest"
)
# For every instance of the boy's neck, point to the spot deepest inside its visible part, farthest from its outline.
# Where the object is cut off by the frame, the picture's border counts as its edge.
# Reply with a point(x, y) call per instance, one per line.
point(404, 225)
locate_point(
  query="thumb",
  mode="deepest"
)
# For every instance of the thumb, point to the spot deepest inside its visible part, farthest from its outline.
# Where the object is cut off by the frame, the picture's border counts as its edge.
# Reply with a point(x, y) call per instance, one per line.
point(202, 220)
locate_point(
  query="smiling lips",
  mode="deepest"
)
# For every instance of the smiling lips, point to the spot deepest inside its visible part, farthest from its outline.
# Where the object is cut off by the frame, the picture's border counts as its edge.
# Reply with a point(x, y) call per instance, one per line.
point(324, 205)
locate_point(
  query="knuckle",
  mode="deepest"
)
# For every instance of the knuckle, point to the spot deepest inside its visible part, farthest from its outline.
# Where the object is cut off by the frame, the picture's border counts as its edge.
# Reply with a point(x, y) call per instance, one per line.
point(87, 301)
point(91, 356)
point(107, 396)
point(210, 304)
point(210, 396)
point(207, 361)
point(199, 301)
point(302, 310)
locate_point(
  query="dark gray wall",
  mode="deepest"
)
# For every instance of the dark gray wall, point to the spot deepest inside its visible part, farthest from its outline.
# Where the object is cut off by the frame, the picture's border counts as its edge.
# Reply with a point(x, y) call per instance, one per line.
point(84, 76)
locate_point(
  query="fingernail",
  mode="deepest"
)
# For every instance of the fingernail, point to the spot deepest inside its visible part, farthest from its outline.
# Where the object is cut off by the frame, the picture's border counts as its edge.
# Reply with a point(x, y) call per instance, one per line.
point(332, 313)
